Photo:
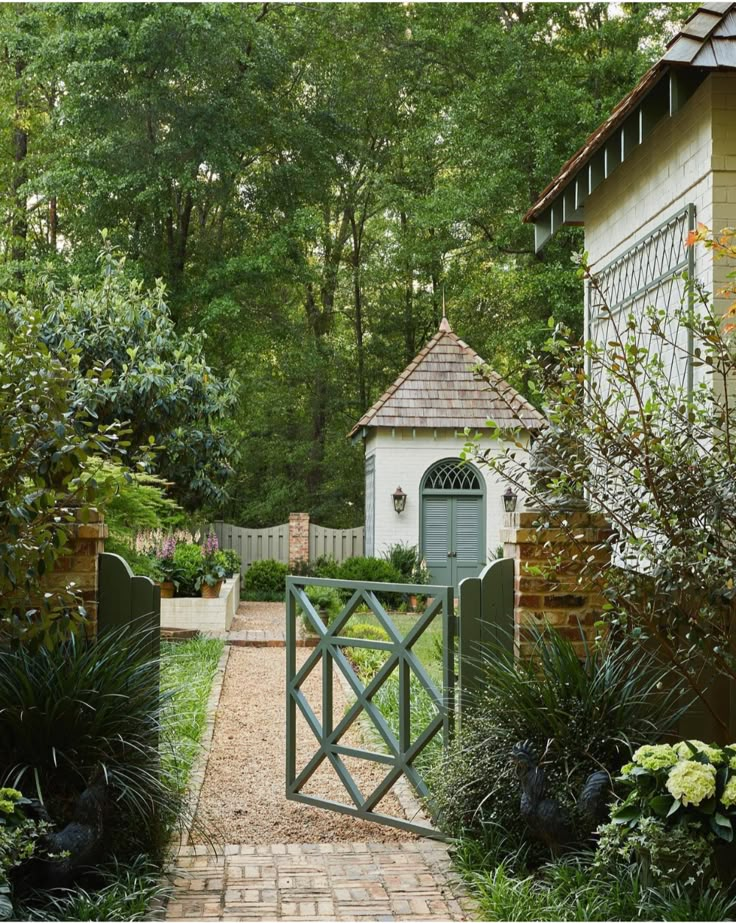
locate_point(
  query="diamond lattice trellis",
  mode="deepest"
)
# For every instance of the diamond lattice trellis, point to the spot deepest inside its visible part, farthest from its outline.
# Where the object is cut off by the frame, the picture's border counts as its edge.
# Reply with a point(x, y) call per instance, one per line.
point(397, 752)
point(652, 273)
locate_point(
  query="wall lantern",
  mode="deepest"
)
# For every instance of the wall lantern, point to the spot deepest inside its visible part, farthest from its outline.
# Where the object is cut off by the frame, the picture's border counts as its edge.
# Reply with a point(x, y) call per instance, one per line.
point(509, 500)
point(399, 498)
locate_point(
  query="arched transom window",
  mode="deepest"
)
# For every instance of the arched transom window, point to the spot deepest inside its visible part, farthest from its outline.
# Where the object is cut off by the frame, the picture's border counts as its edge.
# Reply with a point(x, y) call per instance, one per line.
point(452, 475)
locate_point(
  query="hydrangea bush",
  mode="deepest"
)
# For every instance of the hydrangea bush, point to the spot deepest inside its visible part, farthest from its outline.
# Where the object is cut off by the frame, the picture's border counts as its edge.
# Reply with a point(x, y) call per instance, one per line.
point(683, 792)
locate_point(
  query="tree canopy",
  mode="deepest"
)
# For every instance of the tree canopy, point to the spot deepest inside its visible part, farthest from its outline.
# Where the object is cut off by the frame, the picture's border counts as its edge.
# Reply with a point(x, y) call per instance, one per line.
point(307, 182)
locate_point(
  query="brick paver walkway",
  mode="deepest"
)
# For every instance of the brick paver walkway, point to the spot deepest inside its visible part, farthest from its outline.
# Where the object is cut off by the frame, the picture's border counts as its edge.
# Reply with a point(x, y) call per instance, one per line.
point(340, 881)
point(402, 880)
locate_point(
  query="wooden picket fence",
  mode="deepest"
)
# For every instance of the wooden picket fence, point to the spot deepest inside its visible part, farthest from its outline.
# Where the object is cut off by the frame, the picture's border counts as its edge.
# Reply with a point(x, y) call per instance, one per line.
point(254, 544)
point(335, 543)
point(273, 543)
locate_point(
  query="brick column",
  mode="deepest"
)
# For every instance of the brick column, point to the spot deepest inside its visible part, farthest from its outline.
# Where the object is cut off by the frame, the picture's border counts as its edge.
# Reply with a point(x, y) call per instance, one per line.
point(550, 553)
point(298, 538)
point(79, 564)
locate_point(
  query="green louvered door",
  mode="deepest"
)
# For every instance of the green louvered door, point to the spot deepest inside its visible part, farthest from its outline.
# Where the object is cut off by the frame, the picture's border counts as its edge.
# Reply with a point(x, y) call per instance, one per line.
point(452, 538)
point(468, 557)
point(437, 538)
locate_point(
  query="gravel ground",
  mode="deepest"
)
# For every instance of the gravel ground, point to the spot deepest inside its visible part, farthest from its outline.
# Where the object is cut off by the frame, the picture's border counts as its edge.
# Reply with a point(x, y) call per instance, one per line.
point(260, 617)
point(242, 799)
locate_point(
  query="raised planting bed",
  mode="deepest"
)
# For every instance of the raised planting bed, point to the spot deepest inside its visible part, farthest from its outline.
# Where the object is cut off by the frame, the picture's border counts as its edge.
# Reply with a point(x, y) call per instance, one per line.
point(193, 612)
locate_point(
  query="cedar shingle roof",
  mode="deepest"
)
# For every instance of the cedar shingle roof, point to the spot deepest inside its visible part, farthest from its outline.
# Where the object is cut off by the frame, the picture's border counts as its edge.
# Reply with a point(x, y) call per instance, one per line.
point(706, 41)
point(440, 390)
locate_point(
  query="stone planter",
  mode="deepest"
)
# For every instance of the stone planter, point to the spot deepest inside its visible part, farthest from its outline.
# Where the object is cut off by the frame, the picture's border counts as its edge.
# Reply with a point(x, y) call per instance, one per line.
point(202, 614)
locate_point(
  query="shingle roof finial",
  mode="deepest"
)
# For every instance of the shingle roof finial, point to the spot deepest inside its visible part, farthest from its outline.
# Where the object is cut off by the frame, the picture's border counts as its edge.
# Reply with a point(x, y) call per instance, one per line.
point(444, 323)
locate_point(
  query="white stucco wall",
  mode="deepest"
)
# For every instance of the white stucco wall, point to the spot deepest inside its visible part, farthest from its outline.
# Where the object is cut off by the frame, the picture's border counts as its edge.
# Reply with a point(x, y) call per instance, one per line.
point(402, 456)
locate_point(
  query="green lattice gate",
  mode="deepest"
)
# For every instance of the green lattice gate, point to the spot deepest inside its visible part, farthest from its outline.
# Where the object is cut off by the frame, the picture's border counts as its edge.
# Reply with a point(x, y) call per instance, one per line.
point(399, 744)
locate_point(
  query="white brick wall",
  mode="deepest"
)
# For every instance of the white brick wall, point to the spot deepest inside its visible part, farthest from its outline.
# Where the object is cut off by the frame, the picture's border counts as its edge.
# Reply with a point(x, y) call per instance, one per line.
point(402, 458)
point(670, 169)
point(688, 158)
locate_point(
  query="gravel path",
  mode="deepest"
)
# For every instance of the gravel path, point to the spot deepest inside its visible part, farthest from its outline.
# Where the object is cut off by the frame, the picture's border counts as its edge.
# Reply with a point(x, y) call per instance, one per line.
point(242, 799)
point(260, 617)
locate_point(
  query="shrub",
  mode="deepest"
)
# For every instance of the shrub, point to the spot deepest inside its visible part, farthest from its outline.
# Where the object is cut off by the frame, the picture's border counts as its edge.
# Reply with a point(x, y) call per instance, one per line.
point(324, 566)
point(591, 712)
point(404, 558)
point(189, 565)
point(680, 799)
point(371, 570)
point(366, 631)
point(325, 599)
point(230, 560)
point(266, 579)
point(123, 892)
point(408, 562)
point(142, 565)
point(50, 446)
point(19, 841)
point(82, 710)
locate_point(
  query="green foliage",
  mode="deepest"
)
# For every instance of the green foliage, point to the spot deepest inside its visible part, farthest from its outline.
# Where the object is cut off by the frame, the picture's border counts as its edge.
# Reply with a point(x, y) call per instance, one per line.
point(230, 560)
point(370, 570)
point(139, 501)
point(576, 889)
point(47, 450)
point(266, 579)
point(680, 802)
point(82, 710)
point(326, 600)
point(187, 671)
point(155, 377)
point(190, 568)
point(407, 560)
point(591, 712)
point(358, 207)
point(21, 838)
point(124, 892)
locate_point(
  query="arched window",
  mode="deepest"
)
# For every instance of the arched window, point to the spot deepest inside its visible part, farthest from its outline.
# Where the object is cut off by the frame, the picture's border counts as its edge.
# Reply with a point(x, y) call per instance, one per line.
point(452, 475)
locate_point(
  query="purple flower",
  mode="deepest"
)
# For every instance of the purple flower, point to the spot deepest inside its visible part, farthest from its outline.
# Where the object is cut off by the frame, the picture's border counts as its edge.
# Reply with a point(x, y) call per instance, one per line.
point(210, 546)
point(168, 547)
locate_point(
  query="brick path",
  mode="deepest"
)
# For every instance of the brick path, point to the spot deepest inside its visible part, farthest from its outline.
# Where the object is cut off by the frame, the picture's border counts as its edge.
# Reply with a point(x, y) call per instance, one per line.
point(365, 881)
point(341, 881)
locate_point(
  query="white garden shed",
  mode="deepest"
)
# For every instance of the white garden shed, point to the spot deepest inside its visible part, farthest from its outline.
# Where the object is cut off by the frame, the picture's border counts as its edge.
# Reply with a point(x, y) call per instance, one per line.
point(414, 435)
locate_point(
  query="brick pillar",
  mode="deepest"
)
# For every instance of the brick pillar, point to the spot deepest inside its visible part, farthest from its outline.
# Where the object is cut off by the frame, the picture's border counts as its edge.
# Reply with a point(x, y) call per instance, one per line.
point(79, 564)
point(551, 583)
point(298, 538)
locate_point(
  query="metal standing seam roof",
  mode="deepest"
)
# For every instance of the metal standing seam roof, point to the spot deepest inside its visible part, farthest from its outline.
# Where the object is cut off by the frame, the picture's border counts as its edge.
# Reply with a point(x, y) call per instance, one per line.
point(706, 42)
point(439, 389)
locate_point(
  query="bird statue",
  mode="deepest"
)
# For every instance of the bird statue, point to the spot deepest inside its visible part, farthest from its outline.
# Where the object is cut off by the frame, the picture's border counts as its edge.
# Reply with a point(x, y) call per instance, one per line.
point(546, 818)
point(66, 853)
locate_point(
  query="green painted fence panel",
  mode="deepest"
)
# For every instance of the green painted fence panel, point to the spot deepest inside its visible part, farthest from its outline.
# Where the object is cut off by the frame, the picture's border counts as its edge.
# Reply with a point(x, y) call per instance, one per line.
point(123, 599)
point(486, 622)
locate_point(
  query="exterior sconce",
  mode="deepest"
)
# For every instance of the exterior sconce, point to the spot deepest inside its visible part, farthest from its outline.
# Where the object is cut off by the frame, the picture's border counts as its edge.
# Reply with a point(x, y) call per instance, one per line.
point(399, 498)
point(509, 500)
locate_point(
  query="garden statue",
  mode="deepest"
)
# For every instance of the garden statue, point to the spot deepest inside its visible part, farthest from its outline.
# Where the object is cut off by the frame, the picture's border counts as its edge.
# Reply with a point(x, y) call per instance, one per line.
point(546, 818)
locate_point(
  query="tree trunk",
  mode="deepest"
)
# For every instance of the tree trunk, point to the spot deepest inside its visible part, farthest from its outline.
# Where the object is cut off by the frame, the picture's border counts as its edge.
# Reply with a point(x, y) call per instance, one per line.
point(357, 235)
point(410, 331)
point(19, 224)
